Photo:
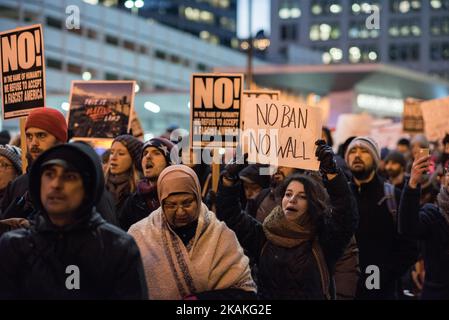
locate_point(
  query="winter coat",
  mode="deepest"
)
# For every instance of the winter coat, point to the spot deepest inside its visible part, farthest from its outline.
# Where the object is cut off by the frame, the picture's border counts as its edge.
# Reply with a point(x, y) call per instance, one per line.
point(428, 225)
point(136, 208)
point(379, 242)
point(292, 273)
point(43, 262)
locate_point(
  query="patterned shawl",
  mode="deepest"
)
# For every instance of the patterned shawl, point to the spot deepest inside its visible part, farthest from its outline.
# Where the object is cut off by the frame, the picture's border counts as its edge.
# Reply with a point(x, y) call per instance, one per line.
point(212, 260)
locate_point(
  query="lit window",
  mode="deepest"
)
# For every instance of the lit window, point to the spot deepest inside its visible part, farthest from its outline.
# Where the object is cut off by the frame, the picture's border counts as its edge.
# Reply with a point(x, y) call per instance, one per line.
point(335, 8)
point(436, 4)
point(284, 13)
point(316, 9)
point(404, 6)
point(295, 13)
point(327, 58)
point(336, 54)
point(356, 8)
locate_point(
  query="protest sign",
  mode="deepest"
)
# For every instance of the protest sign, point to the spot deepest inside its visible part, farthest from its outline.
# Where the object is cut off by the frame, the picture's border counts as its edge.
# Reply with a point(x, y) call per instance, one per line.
point(352, 125)
point(412, 119)
point(22, 71)
point(262, 94)
point(436, 118)
point(282, 133)
point(136, 127)
point(387, 133)
point(100, 109)
point(215, 109)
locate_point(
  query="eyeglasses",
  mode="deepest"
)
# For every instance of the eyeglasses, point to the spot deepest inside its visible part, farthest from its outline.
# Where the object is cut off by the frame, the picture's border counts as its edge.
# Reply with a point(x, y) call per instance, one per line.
point(172, 207)
point(4, 166)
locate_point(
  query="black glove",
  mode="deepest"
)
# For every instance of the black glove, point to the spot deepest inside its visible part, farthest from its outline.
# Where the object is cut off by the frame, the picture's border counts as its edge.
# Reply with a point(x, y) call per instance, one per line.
point(326, 157)
point(233, 168)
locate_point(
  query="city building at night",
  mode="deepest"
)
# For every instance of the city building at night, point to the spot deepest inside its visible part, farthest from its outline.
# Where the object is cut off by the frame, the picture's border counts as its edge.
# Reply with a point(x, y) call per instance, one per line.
point(112, 44)
point(412, 34)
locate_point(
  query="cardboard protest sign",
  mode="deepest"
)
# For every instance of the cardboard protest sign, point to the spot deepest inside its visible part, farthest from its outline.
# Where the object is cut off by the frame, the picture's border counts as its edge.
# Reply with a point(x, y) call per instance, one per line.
point(22, 71)
point(215, 110)
point(261, 94)
point(349, 125)
point(136, 127)
point(282, 133)
point(412, 119)
point(436, 118)
point(100, 109)
point(387, 133)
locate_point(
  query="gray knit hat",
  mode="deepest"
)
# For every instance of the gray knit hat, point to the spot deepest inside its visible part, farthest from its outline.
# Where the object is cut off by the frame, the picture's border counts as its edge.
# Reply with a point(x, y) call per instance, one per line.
point(14, 155)
point(367, 143)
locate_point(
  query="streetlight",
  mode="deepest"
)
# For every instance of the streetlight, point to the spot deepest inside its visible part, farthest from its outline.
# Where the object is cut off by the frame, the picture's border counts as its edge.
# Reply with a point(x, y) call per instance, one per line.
point(134, 5)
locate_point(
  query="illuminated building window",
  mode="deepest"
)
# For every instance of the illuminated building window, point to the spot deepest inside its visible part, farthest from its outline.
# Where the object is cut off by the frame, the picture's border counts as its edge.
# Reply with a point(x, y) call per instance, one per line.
point(326, 7)
point(404, 28)
point(289, 10)
point(358, 30)
point(359, 7)
point(324, 32)
point(405, 6)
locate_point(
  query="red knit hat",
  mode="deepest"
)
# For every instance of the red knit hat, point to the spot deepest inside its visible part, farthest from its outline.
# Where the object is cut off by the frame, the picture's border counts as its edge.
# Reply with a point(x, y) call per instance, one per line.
point(50, 120)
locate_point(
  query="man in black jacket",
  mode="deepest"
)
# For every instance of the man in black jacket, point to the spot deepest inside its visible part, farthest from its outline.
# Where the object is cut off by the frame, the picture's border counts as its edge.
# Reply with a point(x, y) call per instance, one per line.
point(384, 255)
point(69, 252)
point(44, 128)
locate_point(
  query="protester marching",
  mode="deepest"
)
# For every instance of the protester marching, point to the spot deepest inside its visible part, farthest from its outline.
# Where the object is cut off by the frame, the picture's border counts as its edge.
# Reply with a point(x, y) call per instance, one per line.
point(258, 201)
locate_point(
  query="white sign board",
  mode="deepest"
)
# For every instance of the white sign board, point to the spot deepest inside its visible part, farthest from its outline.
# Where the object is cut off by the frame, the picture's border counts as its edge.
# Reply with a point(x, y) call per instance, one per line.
point(282, 133)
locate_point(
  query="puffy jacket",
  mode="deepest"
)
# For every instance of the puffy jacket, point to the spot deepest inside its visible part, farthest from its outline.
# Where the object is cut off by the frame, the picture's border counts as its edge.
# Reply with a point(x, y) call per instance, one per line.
point(43, 262)
point(428, 225)
point(292, 273)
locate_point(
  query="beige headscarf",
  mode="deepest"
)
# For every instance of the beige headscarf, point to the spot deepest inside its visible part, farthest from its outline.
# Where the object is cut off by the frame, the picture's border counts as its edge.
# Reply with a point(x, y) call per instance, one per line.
point(178, 179)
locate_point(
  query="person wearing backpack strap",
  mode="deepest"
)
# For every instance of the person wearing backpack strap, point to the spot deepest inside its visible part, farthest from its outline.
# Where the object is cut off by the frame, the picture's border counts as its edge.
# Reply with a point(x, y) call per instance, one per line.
point(384, 254)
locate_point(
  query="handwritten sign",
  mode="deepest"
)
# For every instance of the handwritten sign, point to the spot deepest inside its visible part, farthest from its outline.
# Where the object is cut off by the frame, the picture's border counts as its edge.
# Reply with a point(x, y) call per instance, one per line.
point(282, 133)
point(436, 118)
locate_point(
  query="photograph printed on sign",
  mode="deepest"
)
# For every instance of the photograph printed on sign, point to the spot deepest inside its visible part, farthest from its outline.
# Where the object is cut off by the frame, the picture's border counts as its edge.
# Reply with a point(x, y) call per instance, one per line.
point(22, 71)
point(100, 109)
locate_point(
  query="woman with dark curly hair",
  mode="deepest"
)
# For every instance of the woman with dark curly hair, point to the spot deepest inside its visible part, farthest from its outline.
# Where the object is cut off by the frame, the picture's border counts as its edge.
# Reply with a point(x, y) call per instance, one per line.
point(297, 246)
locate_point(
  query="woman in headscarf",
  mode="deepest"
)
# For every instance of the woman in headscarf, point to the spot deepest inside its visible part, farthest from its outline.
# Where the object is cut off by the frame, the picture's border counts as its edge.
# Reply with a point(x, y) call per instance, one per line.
point(123, 168)
point(298, 244)
point(430, 224)
point(186, 252)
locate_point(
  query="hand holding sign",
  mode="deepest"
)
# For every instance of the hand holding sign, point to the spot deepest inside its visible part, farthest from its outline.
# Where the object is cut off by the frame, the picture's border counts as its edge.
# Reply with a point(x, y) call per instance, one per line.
point(326, 157)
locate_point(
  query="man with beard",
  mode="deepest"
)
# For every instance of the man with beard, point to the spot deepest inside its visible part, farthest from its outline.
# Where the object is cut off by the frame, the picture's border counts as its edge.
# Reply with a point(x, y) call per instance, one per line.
point(395, 168)
point(44, 128)
point(379, 243)
point(155, 157)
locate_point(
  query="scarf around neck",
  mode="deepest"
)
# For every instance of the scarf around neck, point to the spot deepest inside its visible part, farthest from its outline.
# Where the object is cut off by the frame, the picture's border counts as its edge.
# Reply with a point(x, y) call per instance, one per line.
point(118, 186)
point(289, 234)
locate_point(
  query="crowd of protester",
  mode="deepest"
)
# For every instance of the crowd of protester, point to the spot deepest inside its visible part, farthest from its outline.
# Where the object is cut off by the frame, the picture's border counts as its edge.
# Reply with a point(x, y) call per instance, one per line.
point(137, 223)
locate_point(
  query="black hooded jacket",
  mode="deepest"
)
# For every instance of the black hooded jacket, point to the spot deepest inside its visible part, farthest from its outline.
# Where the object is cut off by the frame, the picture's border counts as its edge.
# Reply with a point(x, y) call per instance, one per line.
point(46, 261)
